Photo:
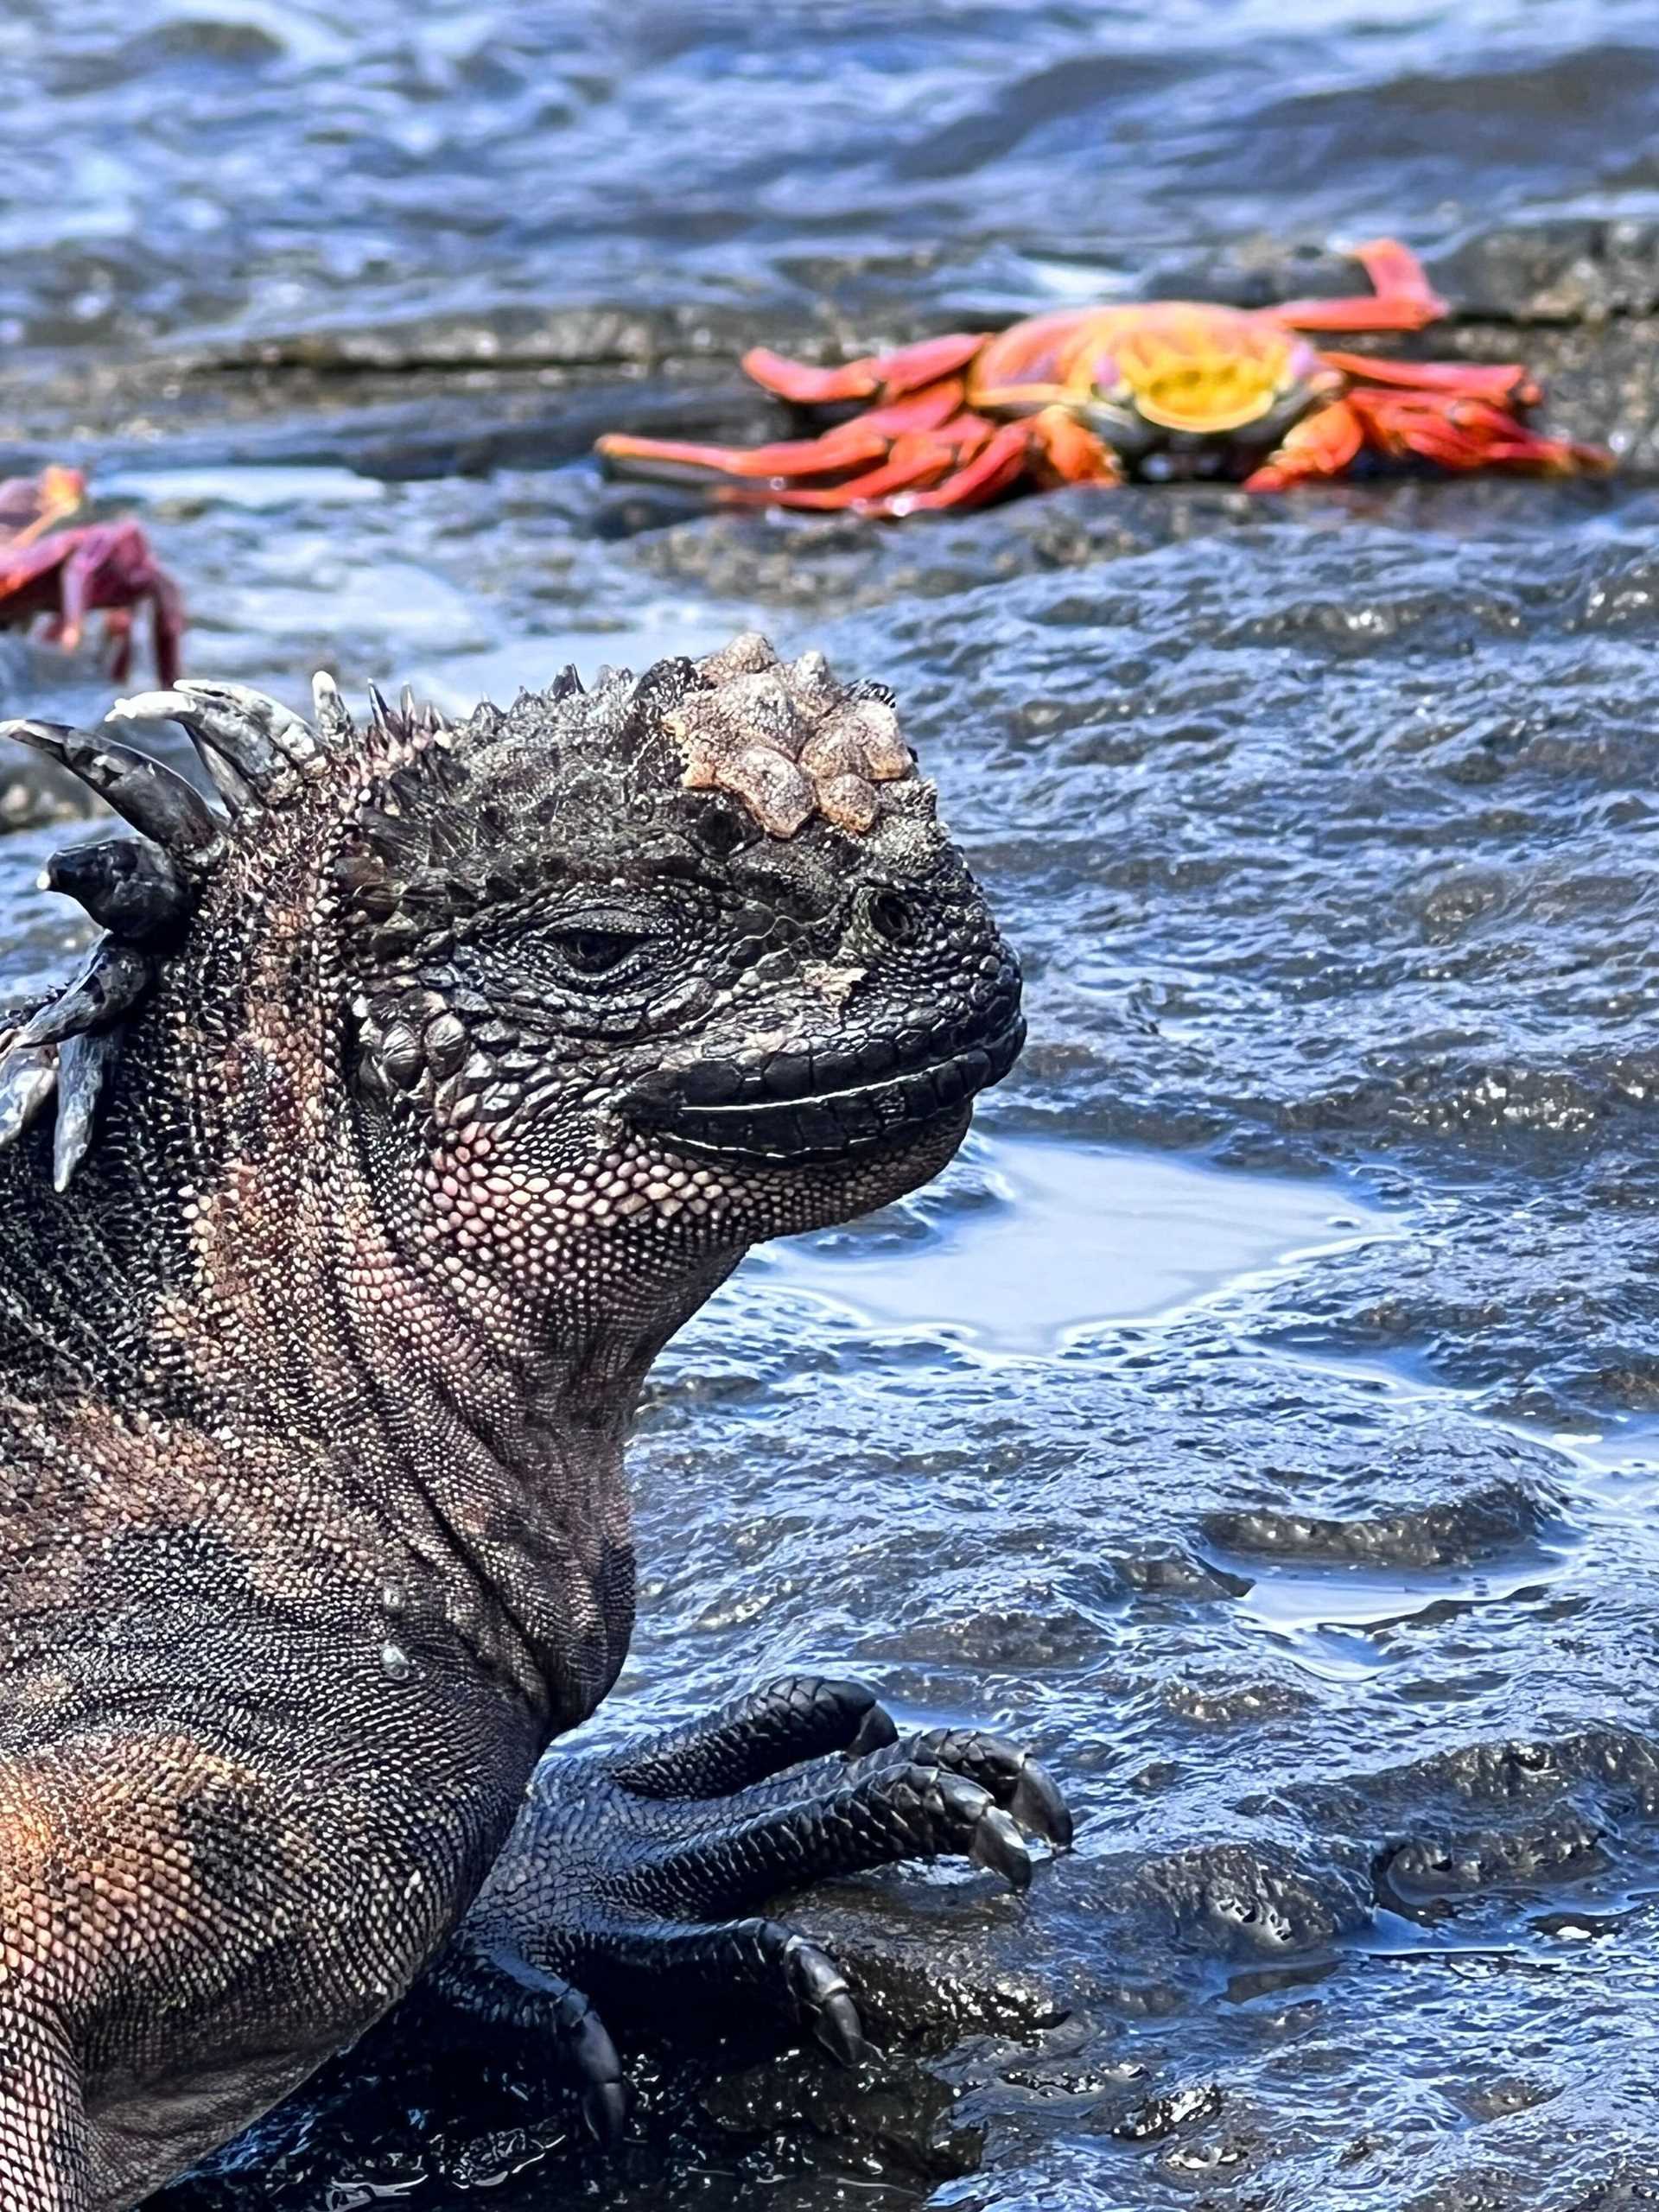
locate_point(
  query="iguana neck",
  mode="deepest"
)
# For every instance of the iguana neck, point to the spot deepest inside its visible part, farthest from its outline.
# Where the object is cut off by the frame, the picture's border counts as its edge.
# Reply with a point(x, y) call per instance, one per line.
point(472, 1434)
point(507, 1426)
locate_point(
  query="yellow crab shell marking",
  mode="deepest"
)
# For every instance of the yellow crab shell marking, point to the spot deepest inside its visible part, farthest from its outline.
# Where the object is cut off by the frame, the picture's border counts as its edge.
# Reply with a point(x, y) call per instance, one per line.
point(1209, 373)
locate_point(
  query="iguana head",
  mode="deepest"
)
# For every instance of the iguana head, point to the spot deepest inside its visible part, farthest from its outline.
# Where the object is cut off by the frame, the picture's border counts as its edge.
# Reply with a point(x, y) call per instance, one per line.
point(594, 987)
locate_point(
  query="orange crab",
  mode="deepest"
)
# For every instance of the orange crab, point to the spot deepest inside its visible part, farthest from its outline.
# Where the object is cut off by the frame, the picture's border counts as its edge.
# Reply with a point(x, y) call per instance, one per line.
point(107, 567)
point(1101, 395)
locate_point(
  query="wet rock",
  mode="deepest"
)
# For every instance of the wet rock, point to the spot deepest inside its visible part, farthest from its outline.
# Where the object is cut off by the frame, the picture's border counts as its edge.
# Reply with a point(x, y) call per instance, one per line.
point(1474, 1860)
point(1577, 298)
point(1243, 1902)
point(1162, 2115)
point(1560, 269)
point(1217, 1701)
point(591, 337)
point(1486, 1524)
point(1536, 1813)
point(899, 2121)
point(394, 426)
point(954, 1959)
point(1177, 1574)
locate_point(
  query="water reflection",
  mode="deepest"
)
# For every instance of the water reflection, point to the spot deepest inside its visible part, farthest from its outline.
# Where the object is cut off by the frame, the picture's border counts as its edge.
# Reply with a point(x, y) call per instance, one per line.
point(1027, 1243)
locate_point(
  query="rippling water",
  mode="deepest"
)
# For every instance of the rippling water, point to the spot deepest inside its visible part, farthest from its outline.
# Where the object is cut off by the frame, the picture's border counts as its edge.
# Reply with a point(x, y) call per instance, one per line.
point(250, 166)
point(1260, 1418)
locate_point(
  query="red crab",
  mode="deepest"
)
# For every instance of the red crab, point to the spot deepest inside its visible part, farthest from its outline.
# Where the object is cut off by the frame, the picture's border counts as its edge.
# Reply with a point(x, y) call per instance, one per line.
point(107, 567)
point(1097, 395)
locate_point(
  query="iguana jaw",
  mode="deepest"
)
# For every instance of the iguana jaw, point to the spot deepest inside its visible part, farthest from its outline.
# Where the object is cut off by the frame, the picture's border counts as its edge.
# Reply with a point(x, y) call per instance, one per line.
point(759, 1115)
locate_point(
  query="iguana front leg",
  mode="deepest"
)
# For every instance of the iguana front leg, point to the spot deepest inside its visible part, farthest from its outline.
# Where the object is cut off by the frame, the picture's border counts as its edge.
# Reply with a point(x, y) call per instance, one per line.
point(632, 1877)
point(44, 2148)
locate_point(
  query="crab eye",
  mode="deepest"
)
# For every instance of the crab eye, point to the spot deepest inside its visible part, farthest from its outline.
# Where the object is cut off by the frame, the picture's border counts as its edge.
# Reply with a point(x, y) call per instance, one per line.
point(596, 952)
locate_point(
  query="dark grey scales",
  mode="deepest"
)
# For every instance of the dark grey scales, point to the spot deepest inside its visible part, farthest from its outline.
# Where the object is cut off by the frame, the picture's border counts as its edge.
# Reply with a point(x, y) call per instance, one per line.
point(406, 1108)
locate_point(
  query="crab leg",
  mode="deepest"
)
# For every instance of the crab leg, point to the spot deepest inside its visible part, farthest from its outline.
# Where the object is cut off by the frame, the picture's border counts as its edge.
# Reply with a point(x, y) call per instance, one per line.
point(824, 457)
point(1075, 454)
point(926, 459)
point(1320, 445)
point(117, 643)
point(167, 620)
point(1403, 299)
point(877, 376)
point(1462, 433)
point(1506, 383)
point(109, 572)
point(1451, 429)
point(964, 465)
point(919, 459)
point(850, 445)
point(1001, 461)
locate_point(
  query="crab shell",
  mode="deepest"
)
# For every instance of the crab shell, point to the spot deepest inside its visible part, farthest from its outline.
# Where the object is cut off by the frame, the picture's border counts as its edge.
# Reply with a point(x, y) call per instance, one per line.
point(1178, 366)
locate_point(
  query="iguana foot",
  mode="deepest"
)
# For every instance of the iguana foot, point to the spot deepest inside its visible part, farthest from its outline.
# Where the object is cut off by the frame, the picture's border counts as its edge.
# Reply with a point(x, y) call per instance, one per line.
point(627, 1871)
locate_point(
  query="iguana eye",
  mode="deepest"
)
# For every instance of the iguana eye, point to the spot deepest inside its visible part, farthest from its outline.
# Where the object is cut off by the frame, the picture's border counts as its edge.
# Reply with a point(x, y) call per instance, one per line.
point(594, 952)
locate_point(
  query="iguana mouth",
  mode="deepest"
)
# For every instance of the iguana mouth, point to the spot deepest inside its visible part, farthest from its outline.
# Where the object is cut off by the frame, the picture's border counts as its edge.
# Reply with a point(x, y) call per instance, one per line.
point(798, 1107)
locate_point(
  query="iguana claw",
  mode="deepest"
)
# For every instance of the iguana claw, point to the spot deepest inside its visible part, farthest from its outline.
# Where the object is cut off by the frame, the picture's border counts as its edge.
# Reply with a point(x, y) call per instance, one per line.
point(626, 1869)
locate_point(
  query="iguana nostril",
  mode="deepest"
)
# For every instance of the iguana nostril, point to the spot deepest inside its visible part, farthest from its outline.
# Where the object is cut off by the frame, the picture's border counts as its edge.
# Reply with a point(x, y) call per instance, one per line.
point(893, 916)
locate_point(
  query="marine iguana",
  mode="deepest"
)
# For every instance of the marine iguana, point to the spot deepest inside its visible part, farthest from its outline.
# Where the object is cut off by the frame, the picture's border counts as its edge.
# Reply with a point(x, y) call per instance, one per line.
point(404, 1109)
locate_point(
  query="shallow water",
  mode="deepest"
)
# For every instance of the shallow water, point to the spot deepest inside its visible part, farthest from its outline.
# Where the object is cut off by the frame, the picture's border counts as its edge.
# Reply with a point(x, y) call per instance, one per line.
point(1260, 1418)
point(1027, 1245)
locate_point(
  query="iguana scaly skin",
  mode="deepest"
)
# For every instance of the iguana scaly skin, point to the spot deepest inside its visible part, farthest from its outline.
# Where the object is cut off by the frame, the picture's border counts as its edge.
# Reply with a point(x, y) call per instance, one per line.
point(401, 1117)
